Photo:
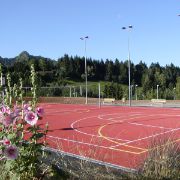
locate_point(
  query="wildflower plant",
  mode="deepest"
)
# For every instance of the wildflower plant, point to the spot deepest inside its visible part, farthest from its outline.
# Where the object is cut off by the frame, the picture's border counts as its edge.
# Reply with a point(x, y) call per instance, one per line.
point(21, 137)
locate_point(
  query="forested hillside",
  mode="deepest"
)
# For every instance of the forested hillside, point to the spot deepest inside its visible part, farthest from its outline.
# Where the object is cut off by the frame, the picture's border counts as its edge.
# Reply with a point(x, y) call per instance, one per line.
point(60, 72)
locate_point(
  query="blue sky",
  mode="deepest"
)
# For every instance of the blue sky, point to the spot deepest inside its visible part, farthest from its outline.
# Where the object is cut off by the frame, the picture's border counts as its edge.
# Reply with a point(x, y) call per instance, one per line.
point(51, 28)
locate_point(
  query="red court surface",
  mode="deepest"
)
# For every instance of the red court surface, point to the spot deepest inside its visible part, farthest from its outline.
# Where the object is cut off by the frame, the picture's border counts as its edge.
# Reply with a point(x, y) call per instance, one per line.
point(120, 136)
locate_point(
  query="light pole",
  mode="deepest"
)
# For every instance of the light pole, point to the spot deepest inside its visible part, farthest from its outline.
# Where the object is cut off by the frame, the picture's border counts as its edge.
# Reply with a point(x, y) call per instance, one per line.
point(85, 38)
point(129, 62)
point(157, 91)
point(136, 91)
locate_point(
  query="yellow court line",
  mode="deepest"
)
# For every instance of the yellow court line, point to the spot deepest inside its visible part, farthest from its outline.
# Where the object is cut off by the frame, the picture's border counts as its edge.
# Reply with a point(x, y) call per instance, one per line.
point(131, 152)
point(101, 135)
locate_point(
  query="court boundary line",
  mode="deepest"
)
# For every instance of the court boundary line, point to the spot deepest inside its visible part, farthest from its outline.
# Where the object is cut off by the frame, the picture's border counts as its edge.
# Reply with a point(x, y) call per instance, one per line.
point(102, 163)
point(95, 145)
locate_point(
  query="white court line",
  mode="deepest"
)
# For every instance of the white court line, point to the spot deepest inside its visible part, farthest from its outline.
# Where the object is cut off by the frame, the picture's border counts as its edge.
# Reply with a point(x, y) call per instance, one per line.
point(63, 111)
point(95, 145)
point(131, 116)
point(151, 115)
point(170, 129)
point(101, 117)
point(147, 137)
point(72, 126)
point(79, 142)
point(147, 125)
point(128, 141)
point(137, 124)
point(137, 117)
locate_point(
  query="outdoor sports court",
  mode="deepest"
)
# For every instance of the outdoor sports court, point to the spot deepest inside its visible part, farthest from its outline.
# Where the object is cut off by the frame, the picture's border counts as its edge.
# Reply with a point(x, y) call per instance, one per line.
point(117, 135)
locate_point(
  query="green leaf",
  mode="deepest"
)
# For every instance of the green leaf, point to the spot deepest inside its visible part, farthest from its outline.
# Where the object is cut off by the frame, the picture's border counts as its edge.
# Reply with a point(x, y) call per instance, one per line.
point(37, 136)
point(11, 136)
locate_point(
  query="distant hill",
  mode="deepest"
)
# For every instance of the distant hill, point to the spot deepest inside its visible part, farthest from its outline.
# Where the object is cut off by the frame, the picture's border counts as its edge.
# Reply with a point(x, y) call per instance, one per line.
point(68, 68)
point(24, 56)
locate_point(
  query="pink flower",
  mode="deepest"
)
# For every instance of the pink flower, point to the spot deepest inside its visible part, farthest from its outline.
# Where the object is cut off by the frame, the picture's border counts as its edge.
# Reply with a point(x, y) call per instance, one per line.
point(7, 120)
point(11, 152)
point(17, 111)
point(27, 107)
point(31, 118)
point(40, 111)
point(6, 116)
point(5, 109)
point(6, 142)
point(1, 117)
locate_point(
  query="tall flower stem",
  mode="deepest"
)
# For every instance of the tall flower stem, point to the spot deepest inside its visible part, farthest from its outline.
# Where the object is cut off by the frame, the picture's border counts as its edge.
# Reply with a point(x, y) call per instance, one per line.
point(34, 87)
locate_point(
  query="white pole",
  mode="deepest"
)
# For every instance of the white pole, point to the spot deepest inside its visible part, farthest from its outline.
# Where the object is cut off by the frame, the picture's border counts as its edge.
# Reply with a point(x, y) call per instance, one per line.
point(85, 38)
point(74, 91)
point(70, 91)
point(129, 73)
point(129, 63)
point(157, 92)
point(136, 91)
point(86, 69)
point(99, 87)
